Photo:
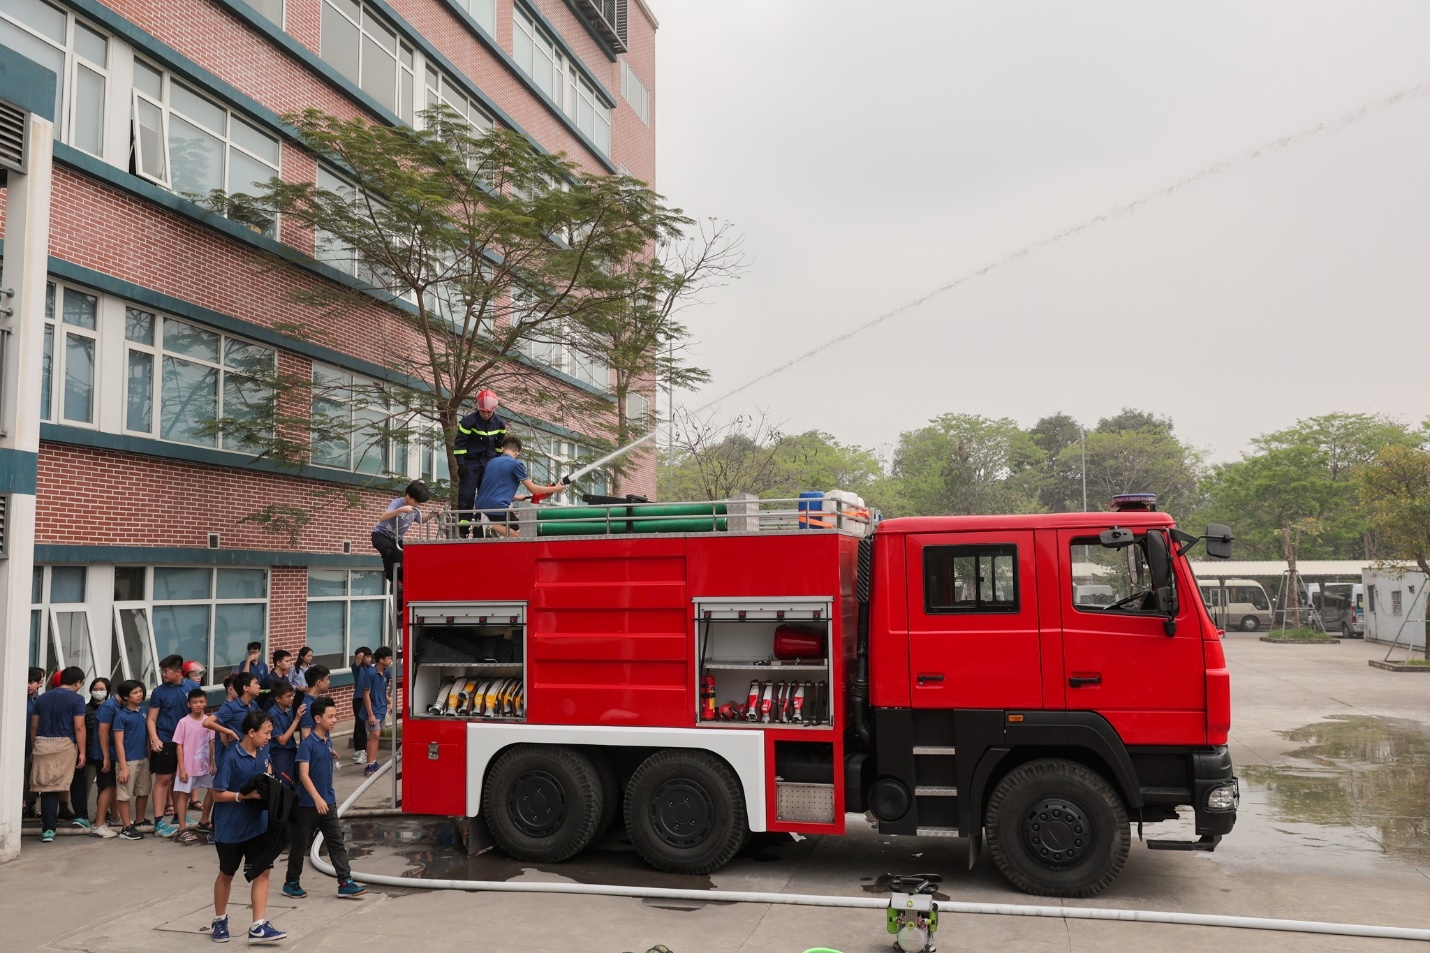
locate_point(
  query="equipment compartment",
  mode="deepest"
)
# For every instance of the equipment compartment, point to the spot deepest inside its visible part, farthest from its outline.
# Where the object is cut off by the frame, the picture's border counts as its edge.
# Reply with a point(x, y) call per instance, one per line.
point(751, 666)
point(469, 661)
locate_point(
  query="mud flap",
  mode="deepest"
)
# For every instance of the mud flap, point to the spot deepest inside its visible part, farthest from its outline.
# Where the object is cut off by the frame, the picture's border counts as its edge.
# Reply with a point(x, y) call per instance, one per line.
point(975, 847)
point(474, 834)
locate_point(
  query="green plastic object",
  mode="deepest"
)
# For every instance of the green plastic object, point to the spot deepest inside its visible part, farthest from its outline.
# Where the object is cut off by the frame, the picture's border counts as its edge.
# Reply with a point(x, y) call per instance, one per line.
point(671, 518)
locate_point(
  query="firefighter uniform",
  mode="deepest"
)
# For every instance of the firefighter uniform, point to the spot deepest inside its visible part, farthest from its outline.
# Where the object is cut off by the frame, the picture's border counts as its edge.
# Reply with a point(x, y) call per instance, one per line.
point(477, 442)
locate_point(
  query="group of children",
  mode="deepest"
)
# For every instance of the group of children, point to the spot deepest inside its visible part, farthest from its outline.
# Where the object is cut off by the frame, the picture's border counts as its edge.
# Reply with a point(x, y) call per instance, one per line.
point(268, 741)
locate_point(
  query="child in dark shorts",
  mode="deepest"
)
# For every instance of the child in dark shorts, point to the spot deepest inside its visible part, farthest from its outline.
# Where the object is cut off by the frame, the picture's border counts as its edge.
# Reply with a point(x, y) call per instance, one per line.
point(241, 829)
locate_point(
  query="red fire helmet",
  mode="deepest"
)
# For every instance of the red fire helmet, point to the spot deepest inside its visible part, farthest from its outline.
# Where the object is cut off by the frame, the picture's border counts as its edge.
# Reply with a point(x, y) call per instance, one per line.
point(487, 400)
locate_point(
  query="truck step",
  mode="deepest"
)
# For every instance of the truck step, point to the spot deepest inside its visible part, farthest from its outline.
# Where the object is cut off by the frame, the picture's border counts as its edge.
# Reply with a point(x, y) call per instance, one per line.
point(934, 749)
point(937, 832)
point(1205, 842)
point(935, 790)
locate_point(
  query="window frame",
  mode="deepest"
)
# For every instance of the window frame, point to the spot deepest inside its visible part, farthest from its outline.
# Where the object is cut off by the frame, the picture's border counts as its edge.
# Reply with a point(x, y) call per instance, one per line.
point(628, 77)
point(404, 72)
point(212, 603)
point(69, 93)
point(348, 598)
point(55, 334)
point(396, 453)
point(570, 88)
point(977, 551)
point(51, 656)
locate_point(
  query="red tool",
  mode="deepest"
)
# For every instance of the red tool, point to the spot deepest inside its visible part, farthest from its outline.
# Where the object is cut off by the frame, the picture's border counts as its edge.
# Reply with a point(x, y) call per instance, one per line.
point(707, 698)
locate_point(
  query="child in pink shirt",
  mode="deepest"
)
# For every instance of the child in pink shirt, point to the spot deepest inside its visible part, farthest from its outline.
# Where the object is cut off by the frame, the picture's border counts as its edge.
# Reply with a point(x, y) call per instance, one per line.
point(196, 768)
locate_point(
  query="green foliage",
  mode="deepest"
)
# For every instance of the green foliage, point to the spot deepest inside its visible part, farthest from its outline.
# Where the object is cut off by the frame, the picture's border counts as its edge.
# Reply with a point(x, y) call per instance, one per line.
point(1395, 492)
point(963, 463)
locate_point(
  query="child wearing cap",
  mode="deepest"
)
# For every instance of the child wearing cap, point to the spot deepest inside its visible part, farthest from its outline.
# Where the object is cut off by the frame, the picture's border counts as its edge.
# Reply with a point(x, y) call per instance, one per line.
point(195, 777)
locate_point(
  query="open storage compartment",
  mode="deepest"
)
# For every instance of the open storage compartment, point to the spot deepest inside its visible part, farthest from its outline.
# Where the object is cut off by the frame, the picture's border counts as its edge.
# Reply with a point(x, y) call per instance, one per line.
point(468, 660)
point(772, 654)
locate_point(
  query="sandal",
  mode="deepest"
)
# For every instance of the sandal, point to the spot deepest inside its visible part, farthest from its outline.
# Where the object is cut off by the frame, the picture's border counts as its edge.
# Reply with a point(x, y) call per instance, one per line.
point(204, 827)
point(188, 836)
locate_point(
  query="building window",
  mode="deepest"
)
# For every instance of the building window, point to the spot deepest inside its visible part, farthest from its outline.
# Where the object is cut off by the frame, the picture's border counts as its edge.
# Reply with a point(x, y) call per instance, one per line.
point(346, 609)
point(1395, 602)
point(970, 579)
point(638, 408)
point(362, 47)
point(183, 377)
point(272, 9)
point(549, 457)
point(441, 89)
point(556, 75)
point(76, 54)
point(354, 419)
point(209, 615)
point(635, 92)
point(60, 631)
point(190, 144)
point(483, 11)
point(67, 361)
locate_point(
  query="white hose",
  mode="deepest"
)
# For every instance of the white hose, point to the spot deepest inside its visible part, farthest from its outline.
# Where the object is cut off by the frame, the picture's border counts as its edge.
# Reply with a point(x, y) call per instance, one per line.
point(872, 903)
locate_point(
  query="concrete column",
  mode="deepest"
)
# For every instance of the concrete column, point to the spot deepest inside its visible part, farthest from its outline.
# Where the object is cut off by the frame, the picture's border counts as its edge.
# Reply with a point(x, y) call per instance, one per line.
point(27, 242)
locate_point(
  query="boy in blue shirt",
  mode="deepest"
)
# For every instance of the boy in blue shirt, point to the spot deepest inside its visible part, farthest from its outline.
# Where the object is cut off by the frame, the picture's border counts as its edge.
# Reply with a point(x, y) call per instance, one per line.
point(284, 746)
point(168, 703)
point(240, 830)
point(374, 704)
point(318, 806)
point(361, 668)
point(131, 752)
point(503, 477)
point(227, 722)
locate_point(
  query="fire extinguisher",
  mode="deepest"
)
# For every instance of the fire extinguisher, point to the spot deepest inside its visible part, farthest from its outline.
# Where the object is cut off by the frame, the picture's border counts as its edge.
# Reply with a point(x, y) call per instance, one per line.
point(707, 697)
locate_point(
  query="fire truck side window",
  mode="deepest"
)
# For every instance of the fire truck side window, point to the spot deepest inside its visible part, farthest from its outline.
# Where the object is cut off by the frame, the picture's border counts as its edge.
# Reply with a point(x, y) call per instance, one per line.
point(1109, 579)
point(971, 579)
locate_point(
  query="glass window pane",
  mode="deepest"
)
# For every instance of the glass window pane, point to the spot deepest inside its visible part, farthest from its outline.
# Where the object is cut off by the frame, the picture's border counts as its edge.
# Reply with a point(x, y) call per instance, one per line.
point(138, 326)
point(139, 414)
point(366, 583)
point(242, 583)
point(153, 161)
point(67, 584)
point(381, 34)
point(41, 52)
point(72, 639)
point(247, 357)
point(379, 73)
point(585, 117)
point(327, 633)
point(340, 39)
point(197, 158)
point(128, 583)
point(79, 378)
point(366, 622)
point(148, 80)
point(134, 641)
point(47, 372)
point(260, 144)
point(39, 16)
point(88, 131)
point(37, 625)
point(182, 630)
point(247, 400)
point(181, 584)
point(327, 582)
point(603, 131)
point(236, 625)
point(37, 586)
point(521, 46)
point(247, 175)
point(370, 445)
point(186, 339)
point(91, 45)
point(81, 309)
point(193, 106)
point(188, 401)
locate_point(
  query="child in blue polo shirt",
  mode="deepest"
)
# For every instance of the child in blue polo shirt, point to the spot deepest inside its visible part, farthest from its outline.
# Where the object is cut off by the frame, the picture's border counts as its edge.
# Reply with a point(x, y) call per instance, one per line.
point(318, 806)
point(240, 829)
point(131, 751)
point(284, 746)
point(319, 681)
point(168, 703)
point(227, 722)
point(375, 687)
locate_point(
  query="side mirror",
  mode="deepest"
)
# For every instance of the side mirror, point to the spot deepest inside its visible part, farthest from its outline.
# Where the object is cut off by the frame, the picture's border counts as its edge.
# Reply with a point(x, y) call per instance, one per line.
point(1159, 564)
point(1219, 541)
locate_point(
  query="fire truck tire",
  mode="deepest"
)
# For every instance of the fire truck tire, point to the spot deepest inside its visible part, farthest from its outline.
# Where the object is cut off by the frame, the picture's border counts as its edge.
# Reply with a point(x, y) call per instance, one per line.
point(685, 812)
point(542, 802)
point(1057, 829)
point(610, 783)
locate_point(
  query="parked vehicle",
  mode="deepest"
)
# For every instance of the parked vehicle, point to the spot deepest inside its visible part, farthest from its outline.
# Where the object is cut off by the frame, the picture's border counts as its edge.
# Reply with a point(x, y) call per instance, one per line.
point(1245, 607)
point(1342, 606)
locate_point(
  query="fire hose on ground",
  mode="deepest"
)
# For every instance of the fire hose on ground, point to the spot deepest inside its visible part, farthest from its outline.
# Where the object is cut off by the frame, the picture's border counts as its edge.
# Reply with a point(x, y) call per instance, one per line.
point(872, 903)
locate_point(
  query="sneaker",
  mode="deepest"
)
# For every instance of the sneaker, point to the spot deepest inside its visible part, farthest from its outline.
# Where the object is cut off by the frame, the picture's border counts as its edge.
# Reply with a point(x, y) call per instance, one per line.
point(144, 827)
point(360, 757)
point(163, 829)
point(265, 932)
point(132, 833)
point(350, 888)
point(211, 838)
point(103, 830)
point(294, 889)
point(371, 769)
point(218, 930)
point(47, 836)
point(82, 823)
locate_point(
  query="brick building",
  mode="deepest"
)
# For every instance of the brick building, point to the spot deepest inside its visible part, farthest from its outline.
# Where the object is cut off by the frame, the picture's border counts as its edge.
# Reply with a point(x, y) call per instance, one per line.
point(153, 305)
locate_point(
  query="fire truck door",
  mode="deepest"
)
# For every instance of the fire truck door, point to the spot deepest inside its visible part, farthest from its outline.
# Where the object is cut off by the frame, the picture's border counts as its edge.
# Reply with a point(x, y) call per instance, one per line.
point(973, 621)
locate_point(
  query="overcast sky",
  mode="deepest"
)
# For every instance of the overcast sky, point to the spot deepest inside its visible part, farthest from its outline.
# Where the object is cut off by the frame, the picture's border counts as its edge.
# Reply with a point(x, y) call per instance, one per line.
point(871, 153)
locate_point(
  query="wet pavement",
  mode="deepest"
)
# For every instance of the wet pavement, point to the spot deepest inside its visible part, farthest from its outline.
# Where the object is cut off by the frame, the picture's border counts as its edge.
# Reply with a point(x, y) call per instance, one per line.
point(1335, 764)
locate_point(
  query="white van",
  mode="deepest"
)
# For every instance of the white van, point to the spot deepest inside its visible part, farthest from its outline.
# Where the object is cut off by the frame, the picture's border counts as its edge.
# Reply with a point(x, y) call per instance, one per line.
point(1342, 606)
point(1246, 608)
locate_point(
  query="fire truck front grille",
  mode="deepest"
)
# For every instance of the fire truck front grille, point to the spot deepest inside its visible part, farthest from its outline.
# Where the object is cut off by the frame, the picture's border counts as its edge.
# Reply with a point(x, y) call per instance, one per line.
point(810, 803)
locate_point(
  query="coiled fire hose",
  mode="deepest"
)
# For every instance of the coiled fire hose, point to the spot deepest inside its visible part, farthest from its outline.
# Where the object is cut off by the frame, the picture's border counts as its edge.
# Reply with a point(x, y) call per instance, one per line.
point(872, 903)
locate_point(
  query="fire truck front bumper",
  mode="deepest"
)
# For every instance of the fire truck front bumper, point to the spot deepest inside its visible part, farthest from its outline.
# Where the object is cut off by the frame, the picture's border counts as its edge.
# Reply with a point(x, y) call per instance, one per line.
point(1216, 793)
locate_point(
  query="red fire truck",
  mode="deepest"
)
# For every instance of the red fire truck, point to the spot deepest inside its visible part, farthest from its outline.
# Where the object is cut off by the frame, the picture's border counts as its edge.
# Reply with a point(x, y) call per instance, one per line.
point(697, 672)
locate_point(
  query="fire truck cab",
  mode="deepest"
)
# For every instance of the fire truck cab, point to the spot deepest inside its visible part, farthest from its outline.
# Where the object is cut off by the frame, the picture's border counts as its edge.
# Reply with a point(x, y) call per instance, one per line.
point(697, 672)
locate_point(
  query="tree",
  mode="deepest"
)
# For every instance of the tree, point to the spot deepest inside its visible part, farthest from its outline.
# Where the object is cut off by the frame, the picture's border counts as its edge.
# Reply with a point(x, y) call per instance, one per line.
point(1395, 489)
point(964, 463)
point(714, 461)
point(814, 460)
point(495, 258)
point(1060, 489)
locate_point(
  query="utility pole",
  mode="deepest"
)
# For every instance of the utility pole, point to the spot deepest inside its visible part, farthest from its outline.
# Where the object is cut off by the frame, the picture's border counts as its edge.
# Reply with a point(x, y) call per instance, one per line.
point(26, 173)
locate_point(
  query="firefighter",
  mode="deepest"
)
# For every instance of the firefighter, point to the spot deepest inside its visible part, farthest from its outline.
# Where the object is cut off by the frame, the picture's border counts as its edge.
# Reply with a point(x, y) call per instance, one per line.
point(479, 438)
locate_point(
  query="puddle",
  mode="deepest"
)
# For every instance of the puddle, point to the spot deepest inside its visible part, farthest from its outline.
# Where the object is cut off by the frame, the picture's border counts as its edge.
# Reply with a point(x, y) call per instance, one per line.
point(432, 849)
point(1365, 772)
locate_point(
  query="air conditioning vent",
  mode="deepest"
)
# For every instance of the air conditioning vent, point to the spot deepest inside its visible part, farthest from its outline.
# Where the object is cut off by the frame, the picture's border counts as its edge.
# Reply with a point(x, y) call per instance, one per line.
point(609, 19)
point(213, 541)
point(12, 136)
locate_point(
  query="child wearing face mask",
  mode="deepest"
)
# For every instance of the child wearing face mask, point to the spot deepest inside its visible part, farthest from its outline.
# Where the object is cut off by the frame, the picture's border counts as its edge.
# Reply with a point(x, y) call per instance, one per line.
point(93, 775)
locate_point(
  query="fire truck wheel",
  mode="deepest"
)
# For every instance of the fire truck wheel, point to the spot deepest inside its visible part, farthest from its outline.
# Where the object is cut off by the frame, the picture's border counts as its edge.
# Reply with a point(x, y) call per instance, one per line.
point(1057, 829)
point(542, 802)
point(685, 812)
point(610, 792)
